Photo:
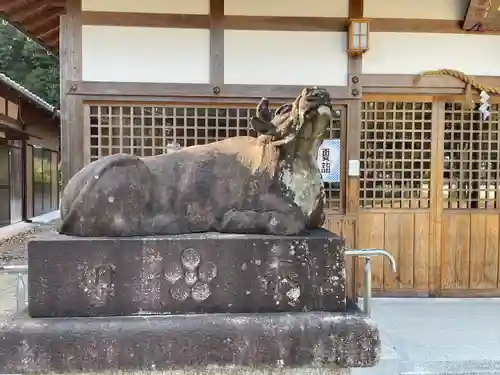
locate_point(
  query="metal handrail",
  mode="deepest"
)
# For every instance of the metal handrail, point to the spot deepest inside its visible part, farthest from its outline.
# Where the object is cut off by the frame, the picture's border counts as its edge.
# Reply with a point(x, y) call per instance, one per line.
point(20, 271)
point(367, 282)
point(16, 268)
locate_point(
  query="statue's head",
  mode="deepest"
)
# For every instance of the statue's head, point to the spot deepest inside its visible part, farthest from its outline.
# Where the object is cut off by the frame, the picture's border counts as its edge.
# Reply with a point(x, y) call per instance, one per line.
point(306, 119)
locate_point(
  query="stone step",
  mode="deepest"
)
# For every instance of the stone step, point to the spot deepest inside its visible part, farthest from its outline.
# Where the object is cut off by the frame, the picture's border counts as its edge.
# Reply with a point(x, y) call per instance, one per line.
point(389, 363)
point(275, 341)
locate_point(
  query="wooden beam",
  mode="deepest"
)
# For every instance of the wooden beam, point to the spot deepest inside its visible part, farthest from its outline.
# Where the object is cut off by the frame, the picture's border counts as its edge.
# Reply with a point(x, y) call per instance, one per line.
point(10, 123)
point(50, 34)
point(158, 90)
point(53, 38)
point(353, 153)
point(45, 27)
point(436, 198)
point(432, 85)
point(49, 18)
point(29, 10)
point(190, 21)
point(272, 23)
point(356, 9)
point(285, 23)
point(216, 42)
point(204, 21)
point(72, 137)
point(416, 26)
point(10, 6)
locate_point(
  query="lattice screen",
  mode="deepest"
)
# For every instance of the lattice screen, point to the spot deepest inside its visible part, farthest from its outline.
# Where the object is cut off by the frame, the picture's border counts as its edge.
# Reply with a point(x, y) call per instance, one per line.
point(147, 131)
point(395, 154)
point(471, 158)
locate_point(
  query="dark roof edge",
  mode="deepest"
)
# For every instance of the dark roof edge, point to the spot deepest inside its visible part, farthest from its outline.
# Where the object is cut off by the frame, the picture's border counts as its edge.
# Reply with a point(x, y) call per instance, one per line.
point(29, 95)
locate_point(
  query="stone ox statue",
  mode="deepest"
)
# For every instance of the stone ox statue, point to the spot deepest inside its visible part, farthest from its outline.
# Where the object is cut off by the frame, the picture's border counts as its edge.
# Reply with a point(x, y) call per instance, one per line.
point(265, 185)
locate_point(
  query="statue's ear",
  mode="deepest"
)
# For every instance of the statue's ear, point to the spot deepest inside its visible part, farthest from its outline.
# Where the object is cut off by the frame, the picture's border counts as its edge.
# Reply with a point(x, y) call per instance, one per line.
point(285, 108)
point(263, 127)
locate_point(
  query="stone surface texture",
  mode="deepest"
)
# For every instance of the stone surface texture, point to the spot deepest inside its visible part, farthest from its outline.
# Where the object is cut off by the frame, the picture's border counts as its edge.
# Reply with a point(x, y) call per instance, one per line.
point(267, 185)
point(229, 371)
point(195, 273)
point(259, 341)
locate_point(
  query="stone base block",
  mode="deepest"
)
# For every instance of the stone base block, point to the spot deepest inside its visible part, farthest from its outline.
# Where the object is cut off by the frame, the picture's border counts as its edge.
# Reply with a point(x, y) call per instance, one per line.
point(198, 273)
point(259, 341)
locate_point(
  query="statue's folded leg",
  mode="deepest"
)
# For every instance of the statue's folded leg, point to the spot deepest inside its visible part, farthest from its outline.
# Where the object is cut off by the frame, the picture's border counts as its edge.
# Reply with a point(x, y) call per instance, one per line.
point(277, 218)
point(112, 199)
point(164, 224)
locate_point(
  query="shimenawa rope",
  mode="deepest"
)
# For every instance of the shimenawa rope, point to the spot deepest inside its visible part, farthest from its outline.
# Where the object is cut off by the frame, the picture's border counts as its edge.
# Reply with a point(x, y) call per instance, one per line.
point(469, 81)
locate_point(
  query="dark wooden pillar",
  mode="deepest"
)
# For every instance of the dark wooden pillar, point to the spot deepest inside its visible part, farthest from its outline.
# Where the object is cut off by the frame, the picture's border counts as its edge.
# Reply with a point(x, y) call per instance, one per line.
point(216, 42)
point(24, 176)
point(70, 57)
point(353, 153)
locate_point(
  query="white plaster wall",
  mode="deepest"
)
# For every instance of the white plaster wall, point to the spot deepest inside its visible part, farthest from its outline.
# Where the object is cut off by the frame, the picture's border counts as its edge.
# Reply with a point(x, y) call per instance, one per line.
point(421, 9)
point(148, 6)
point(287, 8)
point(285, 58)
point(412, 53)
point(145, 54)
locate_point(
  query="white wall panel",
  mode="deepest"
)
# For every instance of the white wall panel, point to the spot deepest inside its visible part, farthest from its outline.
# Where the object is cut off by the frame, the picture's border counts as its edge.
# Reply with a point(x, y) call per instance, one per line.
point(141, 54)
point(285, 58)
point(148, 6)
point(422, 9)
point(412, 53)
point(287, 8)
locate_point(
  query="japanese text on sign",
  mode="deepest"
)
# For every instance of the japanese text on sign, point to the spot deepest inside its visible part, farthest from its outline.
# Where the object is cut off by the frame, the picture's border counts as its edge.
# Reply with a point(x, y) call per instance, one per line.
point(329, 160)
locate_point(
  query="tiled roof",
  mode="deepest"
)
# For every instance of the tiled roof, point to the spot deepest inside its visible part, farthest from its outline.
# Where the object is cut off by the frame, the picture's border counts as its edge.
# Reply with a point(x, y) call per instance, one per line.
point(29, 95)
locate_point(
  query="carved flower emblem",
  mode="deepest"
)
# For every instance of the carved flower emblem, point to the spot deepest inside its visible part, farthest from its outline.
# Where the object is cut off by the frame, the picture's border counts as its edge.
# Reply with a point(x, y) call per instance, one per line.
point(190, 276)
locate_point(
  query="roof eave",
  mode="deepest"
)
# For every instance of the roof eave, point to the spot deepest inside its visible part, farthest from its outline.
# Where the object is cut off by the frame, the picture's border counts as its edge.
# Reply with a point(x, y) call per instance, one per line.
point(21, 29)
point(29, 96)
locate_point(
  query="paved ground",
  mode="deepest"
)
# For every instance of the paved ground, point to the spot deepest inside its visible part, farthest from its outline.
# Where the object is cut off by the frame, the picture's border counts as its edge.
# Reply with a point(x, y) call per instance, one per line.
point(13, 250)
point(442, 336)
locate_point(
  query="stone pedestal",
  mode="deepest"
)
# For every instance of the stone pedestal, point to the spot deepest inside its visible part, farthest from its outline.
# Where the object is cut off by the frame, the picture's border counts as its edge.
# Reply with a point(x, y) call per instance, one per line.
point(191, 302)
point(197, 273)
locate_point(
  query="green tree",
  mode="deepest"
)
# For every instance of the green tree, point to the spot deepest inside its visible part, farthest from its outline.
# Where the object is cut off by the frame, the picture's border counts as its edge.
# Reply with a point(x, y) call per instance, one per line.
point(28, 64)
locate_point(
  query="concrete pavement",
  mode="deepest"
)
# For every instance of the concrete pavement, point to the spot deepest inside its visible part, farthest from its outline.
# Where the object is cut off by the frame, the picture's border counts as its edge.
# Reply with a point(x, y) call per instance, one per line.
point(13, 242)
point(438, 336)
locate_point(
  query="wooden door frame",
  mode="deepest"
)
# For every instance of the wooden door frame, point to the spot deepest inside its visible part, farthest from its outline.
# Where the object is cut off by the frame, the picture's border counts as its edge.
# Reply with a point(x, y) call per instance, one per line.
point(434, 268)
point(436, 198)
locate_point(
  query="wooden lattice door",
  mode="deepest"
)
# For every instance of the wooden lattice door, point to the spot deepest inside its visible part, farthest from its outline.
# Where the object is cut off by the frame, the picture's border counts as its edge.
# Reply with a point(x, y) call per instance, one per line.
point(470, 202)
point(395, 182)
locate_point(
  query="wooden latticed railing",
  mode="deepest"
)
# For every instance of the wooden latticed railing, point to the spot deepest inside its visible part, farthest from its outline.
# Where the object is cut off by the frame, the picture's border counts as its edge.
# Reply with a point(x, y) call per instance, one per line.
point(146, 130)
point(395, 154)
point(471, 158)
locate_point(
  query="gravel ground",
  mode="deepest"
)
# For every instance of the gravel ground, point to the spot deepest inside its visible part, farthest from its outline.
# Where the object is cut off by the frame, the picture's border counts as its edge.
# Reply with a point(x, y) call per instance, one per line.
point(13, 250)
